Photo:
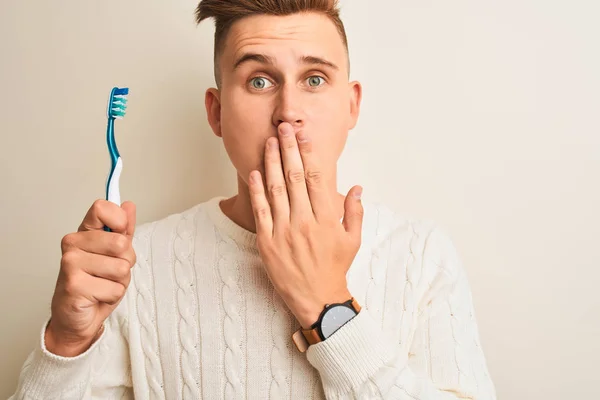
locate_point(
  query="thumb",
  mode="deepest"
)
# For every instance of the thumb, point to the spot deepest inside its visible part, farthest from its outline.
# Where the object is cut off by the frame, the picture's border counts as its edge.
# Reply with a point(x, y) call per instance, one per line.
point(130, 210)
point(353, 212)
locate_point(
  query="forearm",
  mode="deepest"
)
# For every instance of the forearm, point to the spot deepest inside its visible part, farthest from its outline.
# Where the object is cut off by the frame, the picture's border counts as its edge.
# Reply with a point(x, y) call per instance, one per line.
point(47, 375)
point(358, 362)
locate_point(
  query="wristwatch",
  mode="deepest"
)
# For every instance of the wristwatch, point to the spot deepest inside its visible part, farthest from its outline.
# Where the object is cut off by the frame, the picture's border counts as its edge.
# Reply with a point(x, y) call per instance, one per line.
point(332, 318)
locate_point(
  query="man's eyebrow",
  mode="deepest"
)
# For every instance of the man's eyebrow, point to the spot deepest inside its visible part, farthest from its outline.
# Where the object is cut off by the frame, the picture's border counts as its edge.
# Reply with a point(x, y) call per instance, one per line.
point(319, 61)
point(268, 60)
point(259, 58)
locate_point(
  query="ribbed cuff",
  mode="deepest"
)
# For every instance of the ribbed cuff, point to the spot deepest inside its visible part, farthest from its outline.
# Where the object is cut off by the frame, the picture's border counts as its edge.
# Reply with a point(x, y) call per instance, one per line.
point(49, 373)
point(351, 356)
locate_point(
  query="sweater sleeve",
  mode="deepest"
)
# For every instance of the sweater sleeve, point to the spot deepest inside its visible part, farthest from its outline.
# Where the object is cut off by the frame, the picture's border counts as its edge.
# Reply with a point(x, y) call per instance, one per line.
point(360, 361)
point(102, 372)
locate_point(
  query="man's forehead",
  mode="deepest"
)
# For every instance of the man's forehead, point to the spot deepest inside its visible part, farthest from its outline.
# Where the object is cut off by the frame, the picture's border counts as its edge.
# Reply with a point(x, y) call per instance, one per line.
point(309, 32)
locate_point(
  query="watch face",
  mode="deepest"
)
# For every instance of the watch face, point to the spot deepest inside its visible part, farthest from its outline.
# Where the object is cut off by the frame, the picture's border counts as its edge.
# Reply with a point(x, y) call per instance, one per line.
point(335, 318)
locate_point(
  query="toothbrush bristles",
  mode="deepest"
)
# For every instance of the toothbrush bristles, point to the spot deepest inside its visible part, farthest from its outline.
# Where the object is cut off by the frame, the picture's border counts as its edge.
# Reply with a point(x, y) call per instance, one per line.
point(119, 106)
point(118, 102)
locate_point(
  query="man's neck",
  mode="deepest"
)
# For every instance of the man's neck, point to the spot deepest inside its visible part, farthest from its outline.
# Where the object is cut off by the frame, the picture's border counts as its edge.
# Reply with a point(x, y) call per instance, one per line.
point(239, 207)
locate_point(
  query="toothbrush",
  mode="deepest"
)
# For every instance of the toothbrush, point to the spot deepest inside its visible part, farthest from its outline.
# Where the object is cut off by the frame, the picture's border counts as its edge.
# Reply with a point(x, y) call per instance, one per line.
point(117, 104)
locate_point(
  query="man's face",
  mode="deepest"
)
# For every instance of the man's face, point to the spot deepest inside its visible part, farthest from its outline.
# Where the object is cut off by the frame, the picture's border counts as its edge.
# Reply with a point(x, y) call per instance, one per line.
point(283, 69)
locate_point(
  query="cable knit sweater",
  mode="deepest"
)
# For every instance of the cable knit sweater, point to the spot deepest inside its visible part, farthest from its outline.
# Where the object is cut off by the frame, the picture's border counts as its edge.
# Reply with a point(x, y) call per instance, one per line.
point(201, 320)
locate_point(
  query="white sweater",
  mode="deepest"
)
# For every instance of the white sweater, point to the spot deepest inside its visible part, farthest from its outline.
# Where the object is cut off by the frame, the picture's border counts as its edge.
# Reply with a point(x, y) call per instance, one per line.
point(201, 320)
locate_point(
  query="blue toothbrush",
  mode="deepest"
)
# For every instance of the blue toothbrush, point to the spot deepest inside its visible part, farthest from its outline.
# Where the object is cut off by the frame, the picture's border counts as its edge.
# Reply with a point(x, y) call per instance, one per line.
point(117, 104)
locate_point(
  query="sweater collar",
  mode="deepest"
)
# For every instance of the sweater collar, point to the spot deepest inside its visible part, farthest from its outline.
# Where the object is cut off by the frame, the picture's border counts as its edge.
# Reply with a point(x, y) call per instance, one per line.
point(241, 236)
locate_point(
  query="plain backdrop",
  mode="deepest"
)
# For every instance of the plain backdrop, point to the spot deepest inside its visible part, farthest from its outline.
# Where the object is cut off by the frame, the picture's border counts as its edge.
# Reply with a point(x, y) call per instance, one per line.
point(482, 115)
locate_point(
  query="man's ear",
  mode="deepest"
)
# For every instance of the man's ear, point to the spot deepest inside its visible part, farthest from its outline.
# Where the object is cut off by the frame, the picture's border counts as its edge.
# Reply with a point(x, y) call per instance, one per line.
point(355, 98)
point(212, 102)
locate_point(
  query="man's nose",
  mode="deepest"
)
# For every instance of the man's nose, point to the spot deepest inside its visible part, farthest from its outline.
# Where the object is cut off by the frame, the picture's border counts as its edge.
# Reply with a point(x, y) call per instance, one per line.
point(289, 108)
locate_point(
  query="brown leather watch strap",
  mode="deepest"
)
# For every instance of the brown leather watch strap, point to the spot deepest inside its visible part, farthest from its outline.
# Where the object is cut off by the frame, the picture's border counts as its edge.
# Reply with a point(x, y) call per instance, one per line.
point(311, 336)
point(355, 305)
point(300, 341)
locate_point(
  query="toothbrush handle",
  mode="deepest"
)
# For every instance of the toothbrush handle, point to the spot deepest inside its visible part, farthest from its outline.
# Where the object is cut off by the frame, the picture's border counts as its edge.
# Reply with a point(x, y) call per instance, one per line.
point(113, 194)
point(112, 184)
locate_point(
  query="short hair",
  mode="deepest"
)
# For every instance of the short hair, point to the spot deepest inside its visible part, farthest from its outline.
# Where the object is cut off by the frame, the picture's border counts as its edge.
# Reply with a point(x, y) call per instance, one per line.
point(226, 12)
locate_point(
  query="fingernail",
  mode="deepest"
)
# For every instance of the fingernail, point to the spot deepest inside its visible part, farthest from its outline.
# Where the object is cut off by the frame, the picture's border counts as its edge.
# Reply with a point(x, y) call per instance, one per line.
point(302, 138)
point(358, 194)
point(286, 129)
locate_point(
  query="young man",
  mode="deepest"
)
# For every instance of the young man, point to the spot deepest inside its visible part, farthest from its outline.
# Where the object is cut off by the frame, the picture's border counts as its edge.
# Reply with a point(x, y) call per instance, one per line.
point(380, 304)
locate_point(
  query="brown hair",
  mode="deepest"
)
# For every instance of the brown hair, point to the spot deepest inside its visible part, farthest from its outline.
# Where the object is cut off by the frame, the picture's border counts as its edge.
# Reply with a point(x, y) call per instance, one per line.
point(227, 12)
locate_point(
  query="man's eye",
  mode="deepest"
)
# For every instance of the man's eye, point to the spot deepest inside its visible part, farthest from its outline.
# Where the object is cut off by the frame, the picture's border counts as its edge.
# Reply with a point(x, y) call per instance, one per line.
point(315, 81)
point(260, 83)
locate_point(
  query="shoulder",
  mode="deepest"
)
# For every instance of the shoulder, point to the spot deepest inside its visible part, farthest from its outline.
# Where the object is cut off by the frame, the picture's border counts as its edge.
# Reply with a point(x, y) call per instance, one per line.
point(385, 226)
point(422, 242)
point(164, 229)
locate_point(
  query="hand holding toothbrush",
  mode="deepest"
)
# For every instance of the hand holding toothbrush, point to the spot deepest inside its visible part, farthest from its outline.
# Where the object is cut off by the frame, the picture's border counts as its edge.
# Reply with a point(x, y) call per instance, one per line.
point(95, 272)
point(96, 263)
